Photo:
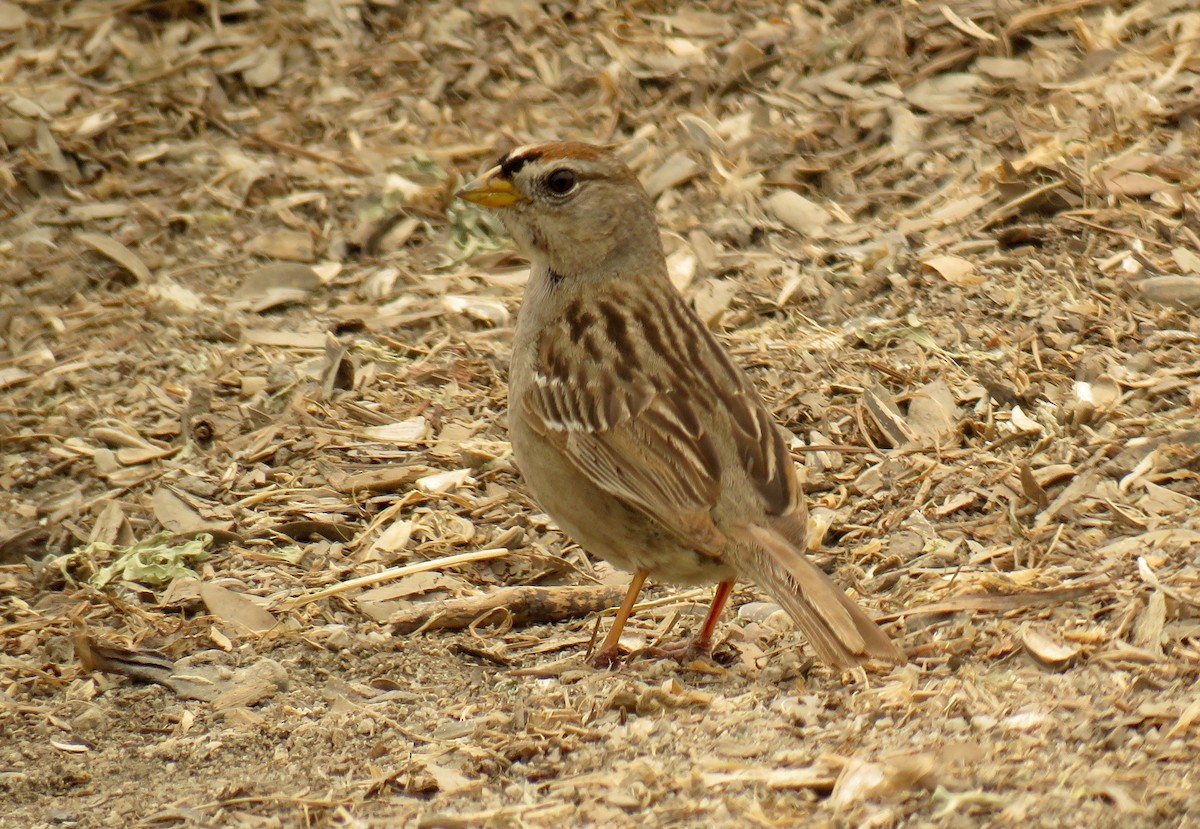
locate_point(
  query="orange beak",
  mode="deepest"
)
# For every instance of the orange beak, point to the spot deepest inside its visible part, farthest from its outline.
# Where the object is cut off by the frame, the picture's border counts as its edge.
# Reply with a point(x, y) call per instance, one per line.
point(491, 189)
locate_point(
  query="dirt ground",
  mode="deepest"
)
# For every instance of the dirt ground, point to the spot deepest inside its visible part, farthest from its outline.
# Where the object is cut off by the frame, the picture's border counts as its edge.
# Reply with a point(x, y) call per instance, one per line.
point(256, 500)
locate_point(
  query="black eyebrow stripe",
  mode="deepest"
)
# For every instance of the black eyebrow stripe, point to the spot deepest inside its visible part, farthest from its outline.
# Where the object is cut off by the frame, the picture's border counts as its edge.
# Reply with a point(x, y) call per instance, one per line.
point(510, 165)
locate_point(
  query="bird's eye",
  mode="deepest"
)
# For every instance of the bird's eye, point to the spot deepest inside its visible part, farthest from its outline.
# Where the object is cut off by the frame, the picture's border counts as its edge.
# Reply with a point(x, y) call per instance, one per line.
point(561, 182)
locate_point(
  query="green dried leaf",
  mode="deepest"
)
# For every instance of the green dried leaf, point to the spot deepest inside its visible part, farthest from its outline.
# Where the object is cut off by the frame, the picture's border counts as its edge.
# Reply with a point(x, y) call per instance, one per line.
point(151, 561)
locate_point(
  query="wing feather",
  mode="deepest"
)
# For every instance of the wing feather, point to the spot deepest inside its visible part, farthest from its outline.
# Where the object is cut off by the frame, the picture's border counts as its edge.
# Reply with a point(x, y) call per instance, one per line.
point(638, 444)
point(646, 427)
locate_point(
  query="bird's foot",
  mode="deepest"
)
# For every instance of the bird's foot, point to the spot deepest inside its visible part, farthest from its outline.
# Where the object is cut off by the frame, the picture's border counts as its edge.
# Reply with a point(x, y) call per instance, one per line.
point(688, 651)
point(605, 659)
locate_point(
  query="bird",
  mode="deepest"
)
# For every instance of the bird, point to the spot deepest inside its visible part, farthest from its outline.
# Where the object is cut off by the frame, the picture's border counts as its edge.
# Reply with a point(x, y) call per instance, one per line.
point(629, 423)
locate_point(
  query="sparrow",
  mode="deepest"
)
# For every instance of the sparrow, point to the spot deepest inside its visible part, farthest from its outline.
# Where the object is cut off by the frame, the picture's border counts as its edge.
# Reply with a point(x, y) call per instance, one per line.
point(630, 424)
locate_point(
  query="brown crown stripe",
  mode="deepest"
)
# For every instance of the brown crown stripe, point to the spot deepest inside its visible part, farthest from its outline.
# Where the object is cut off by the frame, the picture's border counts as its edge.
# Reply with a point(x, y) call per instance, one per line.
point(567, 150)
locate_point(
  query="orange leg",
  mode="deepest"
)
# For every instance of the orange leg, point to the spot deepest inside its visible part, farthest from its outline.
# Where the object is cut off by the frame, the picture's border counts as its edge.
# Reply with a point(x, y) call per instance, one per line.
point(609, 653)
point(701, 644)
point(704, 639)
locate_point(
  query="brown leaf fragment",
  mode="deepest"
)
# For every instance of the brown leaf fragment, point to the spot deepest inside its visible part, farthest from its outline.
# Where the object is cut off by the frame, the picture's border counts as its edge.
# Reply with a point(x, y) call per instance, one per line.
point(448, 780)
point(955, 502)
point(1028, 18)
point(1186, 720)
point(802, 215)
point(235, 609)
point(293, 245)
point(404, 432)
point(261, 281)
point(112, 527)
point(712, 298)
point(1178, 291)
point(12, 16)
point(49, 154)
point(966, 26)
point(179, 517)
point(816, 778)
point(954, 269)
point(932, 414)
point(1080, 488)
point(1187, 260)
point(867, 780)
point(676, 170)
point(882, 409)
point(1032, 489)
point(304, 530)
point(309, 340)
point(1053, 474)
point(393, 539)
point(135, 455)
point(1004, 69)
point(10, 377)
point(383, 480)
point(1133, 184)
point(952, 93)
point(260, 68)
point(338, 370)
point(1148, 629)
point(118, 253)
point(696, 23)
point(1104, 784)
point(275, 284)
point(1049, 652)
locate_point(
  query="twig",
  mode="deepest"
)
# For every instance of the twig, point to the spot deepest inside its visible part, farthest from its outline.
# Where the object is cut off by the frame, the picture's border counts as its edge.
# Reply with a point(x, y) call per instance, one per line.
point(304, 152)
point(999, 603)
point(393, 573)
point(509, 605)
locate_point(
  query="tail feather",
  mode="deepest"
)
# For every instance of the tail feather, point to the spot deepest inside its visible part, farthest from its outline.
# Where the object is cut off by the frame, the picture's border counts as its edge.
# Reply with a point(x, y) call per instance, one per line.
point(839, 631)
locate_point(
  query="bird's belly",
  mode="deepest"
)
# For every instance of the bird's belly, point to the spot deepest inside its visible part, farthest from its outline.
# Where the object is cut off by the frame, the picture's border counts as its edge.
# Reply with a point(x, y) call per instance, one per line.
point(604, 525)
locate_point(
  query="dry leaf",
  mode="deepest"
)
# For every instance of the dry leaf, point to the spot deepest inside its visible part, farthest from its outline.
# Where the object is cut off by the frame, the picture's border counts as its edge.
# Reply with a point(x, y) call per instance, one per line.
point(413, 430)
point(950, 94)
point(12, 16)
point(177, 516)
point(446, 481)
point(118, 253)
point(294, 245)
point(712, 298)
point(800, 214)
point(1187, 260)
point(673, 172)
point(954, 269)
point(1045, 650)
point(932, 414)
point(484, 309)
point(1179, 291)
point(235, 609)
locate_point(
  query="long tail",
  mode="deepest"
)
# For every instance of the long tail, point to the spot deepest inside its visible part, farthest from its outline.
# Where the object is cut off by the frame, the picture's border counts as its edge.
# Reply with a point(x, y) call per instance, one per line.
point(839, 631)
